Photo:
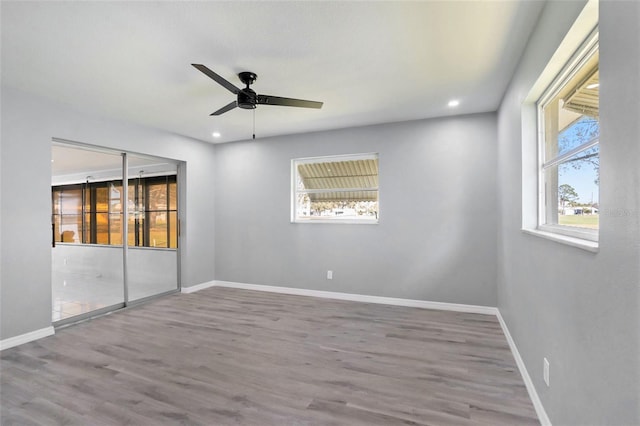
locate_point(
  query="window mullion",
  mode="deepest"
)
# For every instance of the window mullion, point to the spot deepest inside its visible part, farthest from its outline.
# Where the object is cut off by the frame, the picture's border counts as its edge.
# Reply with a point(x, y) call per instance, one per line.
point(561, 158)
point(145, 224)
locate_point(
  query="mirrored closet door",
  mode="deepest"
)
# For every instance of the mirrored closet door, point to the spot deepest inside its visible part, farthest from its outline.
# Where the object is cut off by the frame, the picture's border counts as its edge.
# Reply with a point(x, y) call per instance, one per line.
point(95, 269)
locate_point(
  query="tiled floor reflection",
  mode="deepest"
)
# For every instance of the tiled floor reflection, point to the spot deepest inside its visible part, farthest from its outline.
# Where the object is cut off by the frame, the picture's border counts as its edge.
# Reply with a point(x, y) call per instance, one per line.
point(78, 293)
point(75, 294)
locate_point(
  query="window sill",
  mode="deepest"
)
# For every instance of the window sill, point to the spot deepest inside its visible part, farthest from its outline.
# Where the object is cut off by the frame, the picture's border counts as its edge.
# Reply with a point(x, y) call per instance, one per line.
point(591, 246)
point(116, 246)
point(338, 221)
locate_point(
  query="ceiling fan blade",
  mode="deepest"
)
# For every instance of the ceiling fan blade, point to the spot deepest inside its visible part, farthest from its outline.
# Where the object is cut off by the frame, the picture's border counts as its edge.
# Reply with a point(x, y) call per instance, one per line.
point(225, 108)
point(220, 80)
point(276, 100)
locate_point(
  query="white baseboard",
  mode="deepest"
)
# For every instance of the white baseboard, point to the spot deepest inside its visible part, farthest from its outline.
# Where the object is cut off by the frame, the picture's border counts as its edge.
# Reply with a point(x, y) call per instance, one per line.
point(197, 287)
point(533, 394)
point(424, 304)
point(26, 338)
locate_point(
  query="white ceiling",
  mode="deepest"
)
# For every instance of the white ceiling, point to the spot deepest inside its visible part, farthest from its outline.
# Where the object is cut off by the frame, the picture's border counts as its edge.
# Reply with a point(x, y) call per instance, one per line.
point(369, 62)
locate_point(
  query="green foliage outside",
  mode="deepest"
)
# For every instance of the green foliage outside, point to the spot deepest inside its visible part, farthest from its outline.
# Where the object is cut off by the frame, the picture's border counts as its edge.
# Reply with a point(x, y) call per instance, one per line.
point(583, 221)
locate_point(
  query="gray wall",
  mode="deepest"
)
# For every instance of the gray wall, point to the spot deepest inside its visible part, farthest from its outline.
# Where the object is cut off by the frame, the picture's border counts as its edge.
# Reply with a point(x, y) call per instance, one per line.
point(436, 239)
point(577, 308)
point(28, 124)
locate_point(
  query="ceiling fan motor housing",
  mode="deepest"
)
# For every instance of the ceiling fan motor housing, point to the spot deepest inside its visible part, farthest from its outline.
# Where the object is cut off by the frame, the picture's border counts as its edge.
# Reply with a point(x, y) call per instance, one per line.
point(247, 99)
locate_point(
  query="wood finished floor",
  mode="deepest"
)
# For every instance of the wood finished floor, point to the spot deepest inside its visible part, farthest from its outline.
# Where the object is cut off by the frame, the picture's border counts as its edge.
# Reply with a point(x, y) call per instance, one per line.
point(225, 356)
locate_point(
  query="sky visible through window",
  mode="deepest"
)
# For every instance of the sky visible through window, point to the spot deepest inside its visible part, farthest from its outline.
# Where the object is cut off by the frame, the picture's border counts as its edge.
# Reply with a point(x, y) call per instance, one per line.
point(582, 174)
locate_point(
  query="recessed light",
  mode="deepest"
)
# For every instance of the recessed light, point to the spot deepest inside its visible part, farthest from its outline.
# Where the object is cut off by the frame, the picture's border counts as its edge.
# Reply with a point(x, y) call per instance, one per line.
point(453, 103)
point(215, 134)
point(593, 86)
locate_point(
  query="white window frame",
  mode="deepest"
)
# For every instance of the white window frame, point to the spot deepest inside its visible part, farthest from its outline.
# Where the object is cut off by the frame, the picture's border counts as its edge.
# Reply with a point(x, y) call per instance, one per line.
point(573, 66)
point(330, 159)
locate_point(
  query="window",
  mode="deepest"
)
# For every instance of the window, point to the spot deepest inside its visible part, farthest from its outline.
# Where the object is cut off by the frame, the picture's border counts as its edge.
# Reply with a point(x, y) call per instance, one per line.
point(91, 213)
point(335, 189)
point(569, 136)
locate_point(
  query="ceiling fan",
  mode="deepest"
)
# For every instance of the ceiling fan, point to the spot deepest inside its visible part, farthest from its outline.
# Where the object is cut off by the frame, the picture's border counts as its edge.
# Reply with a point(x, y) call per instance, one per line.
point(247, 98)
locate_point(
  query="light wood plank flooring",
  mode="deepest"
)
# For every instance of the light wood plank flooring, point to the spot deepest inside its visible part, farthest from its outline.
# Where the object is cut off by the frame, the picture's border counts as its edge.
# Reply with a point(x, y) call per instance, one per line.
point(225, 356)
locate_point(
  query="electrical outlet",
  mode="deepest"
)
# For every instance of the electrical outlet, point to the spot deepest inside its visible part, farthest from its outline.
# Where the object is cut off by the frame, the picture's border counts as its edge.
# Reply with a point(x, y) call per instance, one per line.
point(329, 275)
point(545, 371)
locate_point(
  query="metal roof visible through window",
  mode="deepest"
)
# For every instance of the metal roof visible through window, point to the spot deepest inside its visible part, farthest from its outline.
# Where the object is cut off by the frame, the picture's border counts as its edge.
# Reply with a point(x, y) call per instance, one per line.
point(355, 180)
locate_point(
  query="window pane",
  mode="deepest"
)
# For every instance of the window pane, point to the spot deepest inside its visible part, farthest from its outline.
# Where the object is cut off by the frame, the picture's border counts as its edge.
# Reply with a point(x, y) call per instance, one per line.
point(102, 199)
point(131, 232)
point(572, 190)
point(173, 229)
point(157, 196)
point(102, 228)
point(131, 211)
point(71, 201)
point(173, 196)
point(338, 174)
point(115, 229)
point(340, 205)
point(55, 201)
point(71, 228)
point(136, 229)
point(57, 223)
point(157, 229)
point(571, 114)
point(87, 199)
point(87, 229)
point(114, 198)
point(131, 196)
point(329, 209)
point(136, 196)
point(584, 130)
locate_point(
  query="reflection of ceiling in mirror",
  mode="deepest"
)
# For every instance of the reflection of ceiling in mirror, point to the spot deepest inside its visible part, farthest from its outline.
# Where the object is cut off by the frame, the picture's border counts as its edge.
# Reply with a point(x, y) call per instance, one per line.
point(73, 165)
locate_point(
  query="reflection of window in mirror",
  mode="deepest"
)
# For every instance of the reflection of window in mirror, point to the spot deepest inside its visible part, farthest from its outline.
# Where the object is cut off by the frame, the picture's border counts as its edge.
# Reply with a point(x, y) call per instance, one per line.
point(91, 213)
